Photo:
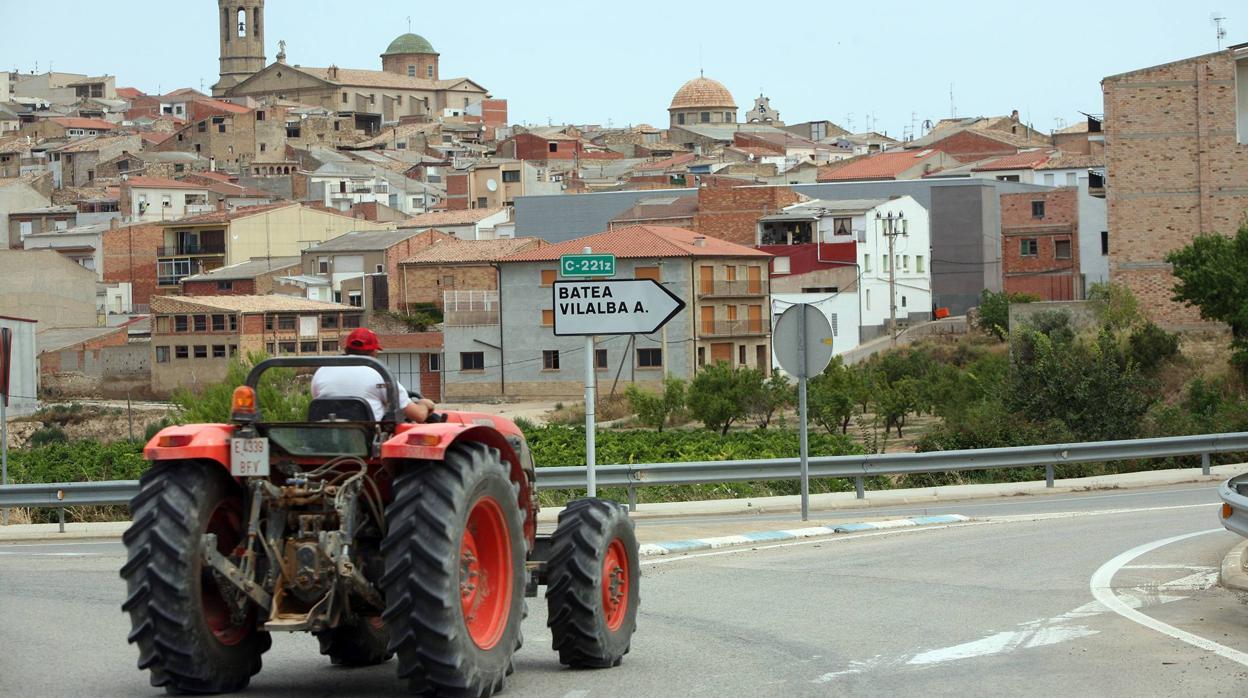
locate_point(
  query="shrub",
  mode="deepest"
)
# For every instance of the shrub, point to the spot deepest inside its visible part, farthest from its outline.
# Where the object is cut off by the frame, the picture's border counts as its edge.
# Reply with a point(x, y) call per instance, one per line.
point(48, 435)
point(720, 395)
point(775, 395)
point(1151, 346)
point(994, 311)
point(830, 397)
point(281, 396)
point(653, 410)
point(1116, 306)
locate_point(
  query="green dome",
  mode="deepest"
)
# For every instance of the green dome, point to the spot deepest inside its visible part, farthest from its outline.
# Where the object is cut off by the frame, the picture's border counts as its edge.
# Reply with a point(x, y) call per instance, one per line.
point(409, 43)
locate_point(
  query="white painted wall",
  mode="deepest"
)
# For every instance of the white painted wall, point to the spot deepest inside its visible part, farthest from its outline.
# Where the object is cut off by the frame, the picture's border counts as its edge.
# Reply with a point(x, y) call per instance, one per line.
point(841, 309)
point(914, 277)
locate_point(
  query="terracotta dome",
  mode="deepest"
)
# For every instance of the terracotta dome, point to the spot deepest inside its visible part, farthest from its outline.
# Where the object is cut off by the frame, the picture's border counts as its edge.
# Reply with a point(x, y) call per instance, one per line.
point(702, 92)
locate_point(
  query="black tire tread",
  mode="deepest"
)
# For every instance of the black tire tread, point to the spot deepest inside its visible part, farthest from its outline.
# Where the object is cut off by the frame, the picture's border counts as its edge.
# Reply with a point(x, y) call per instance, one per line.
point(572, 585)
point(355, 644)
point(162, 546)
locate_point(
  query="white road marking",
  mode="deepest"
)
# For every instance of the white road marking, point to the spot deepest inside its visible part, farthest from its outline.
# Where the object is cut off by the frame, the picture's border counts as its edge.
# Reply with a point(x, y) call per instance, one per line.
point(576, 694)
point(1102, 589)
point(16, 553)
point(1167, 567)
point(51, 545)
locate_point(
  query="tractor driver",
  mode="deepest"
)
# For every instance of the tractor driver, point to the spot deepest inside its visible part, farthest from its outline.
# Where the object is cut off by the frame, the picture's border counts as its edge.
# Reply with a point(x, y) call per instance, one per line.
point(362, 381)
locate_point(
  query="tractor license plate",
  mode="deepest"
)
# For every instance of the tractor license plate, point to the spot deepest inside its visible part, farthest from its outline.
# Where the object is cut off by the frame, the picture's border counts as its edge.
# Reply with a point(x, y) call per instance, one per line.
point(249, 457)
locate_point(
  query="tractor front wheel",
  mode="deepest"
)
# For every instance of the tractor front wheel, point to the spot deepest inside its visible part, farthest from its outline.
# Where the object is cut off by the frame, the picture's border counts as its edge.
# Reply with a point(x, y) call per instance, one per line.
point(189, 636)
point(592, 584)
point(455, 575)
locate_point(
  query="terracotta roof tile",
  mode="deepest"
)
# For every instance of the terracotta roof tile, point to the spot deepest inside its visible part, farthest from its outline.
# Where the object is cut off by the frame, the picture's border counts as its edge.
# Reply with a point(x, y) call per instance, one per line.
point(457, 217)
point(226, 216)
point(241, 304)
point(641, 241)
point(1022, 160)
point(886, 165)
point(79, 122)
point(473, 251)
point(1072, 161)
point(378, 78)
point(702, 92)
point(160, 183)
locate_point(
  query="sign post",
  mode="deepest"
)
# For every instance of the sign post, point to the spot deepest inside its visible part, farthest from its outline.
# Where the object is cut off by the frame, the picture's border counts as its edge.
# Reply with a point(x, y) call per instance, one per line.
point(6, 356)
point(607, 307)
point(802, 341)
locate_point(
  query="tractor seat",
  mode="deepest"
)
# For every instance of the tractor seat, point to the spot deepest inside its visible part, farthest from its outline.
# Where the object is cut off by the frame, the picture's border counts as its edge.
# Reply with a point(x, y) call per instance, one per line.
point(340, 409)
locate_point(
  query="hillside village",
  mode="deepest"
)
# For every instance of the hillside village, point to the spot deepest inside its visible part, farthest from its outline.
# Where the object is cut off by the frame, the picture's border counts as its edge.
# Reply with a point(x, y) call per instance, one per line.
point(148, 239)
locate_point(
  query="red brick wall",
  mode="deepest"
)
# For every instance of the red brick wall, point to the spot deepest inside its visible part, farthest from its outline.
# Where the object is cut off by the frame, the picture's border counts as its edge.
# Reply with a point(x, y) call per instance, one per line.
point(1175, 171)
point(239, 287)
point(129, 255)
point(732, 213)
point(1043, 274)
point(494, 112)
point(402, 251)
point(424, 284)
point(457, 191)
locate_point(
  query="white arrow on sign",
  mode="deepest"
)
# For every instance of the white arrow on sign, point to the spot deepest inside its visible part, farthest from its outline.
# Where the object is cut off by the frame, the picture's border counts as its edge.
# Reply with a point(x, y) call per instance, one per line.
point(632, 306)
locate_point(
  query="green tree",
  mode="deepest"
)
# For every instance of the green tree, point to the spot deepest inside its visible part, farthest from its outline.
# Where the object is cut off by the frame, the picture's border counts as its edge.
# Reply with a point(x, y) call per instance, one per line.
point(1212, 275)
point(893, 402)
point(281, 396)
point(1116, 306)
point(654, 410)
point(830, 397)
point(774, 395)
point(994, 311)
point(720, 395)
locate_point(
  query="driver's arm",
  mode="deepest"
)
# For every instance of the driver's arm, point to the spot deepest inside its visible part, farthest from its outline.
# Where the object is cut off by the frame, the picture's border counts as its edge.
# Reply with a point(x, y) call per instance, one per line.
point(418, 410)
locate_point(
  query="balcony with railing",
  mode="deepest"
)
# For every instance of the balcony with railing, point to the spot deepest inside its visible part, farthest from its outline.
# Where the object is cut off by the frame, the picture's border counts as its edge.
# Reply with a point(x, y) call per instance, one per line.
point(727, 289)
point(190, 250)
point(732, 328)
point(467, 308)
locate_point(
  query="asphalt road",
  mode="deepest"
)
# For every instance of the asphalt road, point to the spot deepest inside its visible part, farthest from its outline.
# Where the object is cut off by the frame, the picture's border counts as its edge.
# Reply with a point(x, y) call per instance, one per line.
point(1070, 594)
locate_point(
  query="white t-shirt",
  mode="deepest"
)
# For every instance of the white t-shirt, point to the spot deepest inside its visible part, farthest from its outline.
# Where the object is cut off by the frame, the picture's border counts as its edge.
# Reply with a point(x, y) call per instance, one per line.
point(356, 381)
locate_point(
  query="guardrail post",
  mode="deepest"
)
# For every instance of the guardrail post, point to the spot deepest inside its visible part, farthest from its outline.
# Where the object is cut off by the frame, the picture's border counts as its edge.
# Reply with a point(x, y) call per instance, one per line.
point(1204, 464)
point(1048, 475)
point(860, 487)
point(632, 498)
point(60, 515)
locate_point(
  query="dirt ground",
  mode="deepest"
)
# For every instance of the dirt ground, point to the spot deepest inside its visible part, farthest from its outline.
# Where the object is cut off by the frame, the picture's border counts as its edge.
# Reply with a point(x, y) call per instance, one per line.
point(535, 412)
point(102, 420)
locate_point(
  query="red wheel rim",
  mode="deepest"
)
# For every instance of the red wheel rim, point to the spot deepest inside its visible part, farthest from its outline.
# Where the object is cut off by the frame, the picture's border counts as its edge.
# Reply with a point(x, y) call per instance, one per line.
point(226, 522)
point(485, 574)
point(615, 583)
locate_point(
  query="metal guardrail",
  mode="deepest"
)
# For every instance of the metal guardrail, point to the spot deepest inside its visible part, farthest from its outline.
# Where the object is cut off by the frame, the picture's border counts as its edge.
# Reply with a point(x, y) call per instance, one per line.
point(1234, 494)
point(855, 467)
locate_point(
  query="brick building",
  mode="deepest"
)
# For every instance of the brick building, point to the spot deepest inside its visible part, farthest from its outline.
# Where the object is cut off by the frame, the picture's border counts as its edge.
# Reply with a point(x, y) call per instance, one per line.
point(345, 261)
point(255, 277)
point(1040, 244)
point(129, 256)
point(1176, 149)
point(731, 213)
point(193, 339)
point(426, 277)
point(234, 140)
point(553, 146)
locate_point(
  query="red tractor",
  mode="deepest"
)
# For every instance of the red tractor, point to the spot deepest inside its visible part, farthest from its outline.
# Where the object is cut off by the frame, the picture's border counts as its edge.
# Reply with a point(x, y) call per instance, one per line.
point(382, 538)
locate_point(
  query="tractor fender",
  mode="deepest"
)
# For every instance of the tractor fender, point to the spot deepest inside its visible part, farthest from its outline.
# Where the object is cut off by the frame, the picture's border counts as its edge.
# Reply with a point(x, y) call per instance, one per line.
point(203, 442)
point(431, 442)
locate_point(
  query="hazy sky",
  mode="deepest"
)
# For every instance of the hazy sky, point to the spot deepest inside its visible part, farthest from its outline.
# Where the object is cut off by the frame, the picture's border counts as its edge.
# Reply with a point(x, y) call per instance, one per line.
point(886, 61)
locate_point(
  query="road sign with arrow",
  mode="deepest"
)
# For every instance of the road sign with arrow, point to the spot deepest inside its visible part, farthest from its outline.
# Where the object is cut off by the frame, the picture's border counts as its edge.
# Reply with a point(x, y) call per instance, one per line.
point(632, 306)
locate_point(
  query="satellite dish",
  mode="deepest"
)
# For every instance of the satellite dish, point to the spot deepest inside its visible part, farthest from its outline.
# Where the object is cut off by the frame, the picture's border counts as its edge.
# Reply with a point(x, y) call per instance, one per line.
point(491, 185)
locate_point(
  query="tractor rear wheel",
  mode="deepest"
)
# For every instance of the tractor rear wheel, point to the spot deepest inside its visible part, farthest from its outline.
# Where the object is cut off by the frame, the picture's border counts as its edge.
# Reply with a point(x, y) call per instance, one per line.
point(592, 584)
point(188, 636)
point(363, 641)
point(455, 575)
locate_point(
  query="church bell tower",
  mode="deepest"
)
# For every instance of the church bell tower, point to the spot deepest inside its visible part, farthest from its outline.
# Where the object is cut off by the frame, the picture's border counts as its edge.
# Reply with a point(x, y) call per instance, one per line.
point(242, 42)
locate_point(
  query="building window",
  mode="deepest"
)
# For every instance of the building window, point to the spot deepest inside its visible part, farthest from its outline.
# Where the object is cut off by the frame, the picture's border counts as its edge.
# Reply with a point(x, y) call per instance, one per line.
point(308, 347)
point(201, 323)
point(259, 115)
point(1104, 242)
point(472, 361)
point(1037, 209)
point(512, 175)
point(867, 299)
point(263, 147)
point(162, 355)
point(741, 354)
point(344, 100)
point(329, 346)
point(435, 362)
point(269, 349)
point(680, 119)
point(322, 265)
point(549, 276)
point(411, 71)
point(1028, 247)
point(550, 360)
point(350, 322)
point(218, 323)
point(355, 298)
point(905, 262)
point(1007, 178)
point(181, 352)
point(1048, 179)
point(888, 262)
point(233, 350)
point(482, 202)
point(600, 359)
point(225, 285)
point(201, 351)
point(705, 117)
point(286, 322)
point(548, 318)
point(1070, 179)
point(218, 351)
point(179, 323)
point(1061, 249)
point(918, 263)
point(329, 322)
point(903, 301)
point(647, 273)
point(202, 127)
point(285, 347)
point(650, 358)
point(728, 117)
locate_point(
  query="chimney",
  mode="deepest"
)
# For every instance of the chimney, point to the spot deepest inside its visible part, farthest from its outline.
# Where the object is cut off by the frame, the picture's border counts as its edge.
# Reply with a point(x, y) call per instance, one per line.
point(332, 72)
point(1014, 115)
point(699, 241)
point(113, 223)
point(220, 204)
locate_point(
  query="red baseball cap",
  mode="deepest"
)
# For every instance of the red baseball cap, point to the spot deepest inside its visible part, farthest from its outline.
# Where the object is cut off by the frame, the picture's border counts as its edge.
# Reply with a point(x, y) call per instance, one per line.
point(363, 339)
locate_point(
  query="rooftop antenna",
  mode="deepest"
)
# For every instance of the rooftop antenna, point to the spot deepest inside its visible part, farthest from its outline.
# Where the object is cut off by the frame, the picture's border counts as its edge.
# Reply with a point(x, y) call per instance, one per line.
point(701, 72)
point(1219, 32)
point(409, 24)
point(953, 109)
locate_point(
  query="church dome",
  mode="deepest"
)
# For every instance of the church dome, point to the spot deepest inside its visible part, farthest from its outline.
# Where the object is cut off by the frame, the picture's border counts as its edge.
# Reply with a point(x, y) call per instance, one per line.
point(409, 43)
point(702, 92)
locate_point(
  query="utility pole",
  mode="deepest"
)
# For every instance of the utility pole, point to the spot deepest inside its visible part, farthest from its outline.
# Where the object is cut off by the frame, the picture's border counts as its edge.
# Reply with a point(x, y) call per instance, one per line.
point(893, 225)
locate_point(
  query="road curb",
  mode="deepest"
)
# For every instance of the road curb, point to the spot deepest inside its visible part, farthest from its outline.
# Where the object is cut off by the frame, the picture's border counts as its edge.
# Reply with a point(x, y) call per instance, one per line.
point(695, 544)
point(1233, 576)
